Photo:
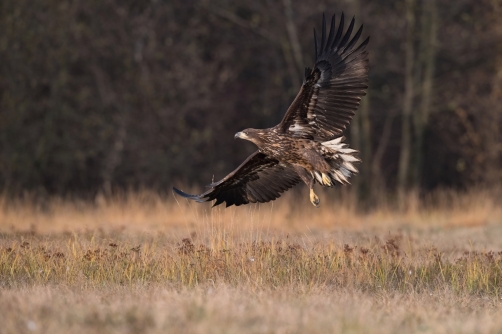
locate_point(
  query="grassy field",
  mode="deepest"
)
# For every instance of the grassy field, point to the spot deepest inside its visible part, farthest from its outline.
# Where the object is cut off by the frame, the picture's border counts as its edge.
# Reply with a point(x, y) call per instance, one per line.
point(145, 263)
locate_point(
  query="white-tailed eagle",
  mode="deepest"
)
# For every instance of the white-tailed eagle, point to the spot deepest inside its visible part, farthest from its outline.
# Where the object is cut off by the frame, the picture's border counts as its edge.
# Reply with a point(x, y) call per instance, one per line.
point(307, 144)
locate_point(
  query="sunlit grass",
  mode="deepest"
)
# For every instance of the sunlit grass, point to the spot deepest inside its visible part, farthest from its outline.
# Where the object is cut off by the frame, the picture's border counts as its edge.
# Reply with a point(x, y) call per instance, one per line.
point(215, 269)
point(101, 261)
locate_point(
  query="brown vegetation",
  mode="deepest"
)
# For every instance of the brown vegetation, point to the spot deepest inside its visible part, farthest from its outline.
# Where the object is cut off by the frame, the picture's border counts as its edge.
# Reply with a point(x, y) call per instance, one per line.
point(144, 263)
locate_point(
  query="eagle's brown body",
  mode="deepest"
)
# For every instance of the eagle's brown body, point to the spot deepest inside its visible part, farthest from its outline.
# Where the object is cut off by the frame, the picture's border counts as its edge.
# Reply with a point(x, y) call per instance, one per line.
point(305, 153)
point(307, 144)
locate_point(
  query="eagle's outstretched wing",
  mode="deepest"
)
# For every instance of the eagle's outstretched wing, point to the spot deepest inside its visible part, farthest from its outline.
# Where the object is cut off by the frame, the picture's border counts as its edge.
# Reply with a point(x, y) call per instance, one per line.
point(331, 92)
point(259, 178)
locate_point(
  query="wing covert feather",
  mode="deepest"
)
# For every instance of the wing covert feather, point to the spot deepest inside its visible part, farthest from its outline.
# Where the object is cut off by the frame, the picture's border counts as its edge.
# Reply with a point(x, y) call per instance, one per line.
point(259, 178)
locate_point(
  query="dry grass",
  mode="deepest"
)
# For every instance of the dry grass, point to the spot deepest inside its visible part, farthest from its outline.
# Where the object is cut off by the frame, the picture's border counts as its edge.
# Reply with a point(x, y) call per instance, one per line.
point(225, 309)
point(143, 263)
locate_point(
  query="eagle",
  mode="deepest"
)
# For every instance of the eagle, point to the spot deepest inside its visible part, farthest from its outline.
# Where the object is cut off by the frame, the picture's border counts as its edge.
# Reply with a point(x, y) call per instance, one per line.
point(307, 145)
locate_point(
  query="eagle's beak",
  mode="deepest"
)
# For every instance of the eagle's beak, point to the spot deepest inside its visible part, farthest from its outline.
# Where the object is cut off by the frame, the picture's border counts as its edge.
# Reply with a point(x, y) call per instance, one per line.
point(240, 135)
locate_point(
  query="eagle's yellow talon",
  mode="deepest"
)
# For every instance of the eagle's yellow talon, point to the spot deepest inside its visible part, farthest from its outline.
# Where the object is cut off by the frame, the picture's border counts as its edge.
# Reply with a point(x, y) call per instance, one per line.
point(314, 199)
point(326, 180)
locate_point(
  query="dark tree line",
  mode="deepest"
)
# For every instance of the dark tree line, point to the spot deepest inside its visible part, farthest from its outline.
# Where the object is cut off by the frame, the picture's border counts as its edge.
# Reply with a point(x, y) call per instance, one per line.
point(103, 95)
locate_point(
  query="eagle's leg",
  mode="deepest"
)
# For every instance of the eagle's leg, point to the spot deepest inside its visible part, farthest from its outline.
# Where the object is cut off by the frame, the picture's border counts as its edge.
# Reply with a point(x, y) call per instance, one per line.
point(308, 178)
point(314, 199)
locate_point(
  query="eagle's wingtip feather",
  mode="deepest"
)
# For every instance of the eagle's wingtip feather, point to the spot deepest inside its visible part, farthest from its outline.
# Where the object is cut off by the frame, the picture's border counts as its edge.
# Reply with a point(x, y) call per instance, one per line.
point(181, 193)
point(184, 194)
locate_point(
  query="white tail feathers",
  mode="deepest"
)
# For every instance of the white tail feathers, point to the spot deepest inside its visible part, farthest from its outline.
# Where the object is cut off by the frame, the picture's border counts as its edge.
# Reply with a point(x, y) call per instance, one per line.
point(348, 157)
point(350, 167)
point(341, 178)
point(335, 144)
point(318, 177)
point(341, 158)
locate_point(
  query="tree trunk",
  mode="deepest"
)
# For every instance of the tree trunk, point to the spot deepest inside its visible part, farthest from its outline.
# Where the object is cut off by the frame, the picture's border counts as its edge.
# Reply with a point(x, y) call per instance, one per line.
point(114, 157)
point(293, 35)
point(428, 59)
point(377, 179)
point(360, 138)
point(361, 134)
point(405, 154)
point(494, 129)
point(355, 142)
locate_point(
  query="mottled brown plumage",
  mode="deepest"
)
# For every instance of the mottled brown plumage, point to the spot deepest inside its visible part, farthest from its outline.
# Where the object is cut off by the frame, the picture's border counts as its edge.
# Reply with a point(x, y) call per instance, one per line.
point(306, 145)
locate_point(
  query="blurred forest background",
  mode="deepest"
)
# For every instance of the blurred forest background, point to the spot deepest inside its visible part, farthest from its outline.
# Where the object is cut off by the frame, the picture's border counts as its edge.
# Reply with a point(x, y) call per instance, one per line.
point(99, 96)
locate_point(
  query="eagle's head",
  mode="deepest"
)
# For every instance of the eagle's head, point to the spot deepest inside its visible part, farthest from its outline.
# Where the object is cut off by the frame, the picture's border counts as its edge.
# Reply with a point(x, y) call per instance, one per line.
point(253, 135)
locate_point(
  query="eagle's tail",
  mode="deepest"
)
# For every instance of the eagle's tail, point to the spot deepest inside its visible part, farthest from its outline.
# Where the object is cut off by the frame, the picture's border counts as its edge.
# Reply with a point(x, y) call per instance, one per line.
point(341, 158)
